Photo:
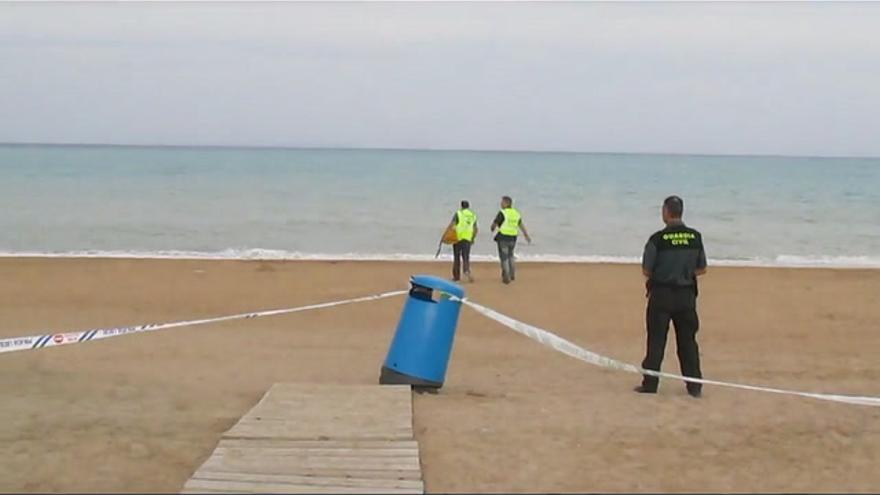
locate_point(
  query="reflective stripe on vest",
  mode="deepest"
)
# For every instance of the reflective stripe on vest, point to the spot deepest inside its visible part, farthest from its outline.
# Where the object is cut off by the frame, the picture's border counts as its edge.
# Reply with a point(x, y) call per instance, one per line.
point(465, 227)
point(511, 222)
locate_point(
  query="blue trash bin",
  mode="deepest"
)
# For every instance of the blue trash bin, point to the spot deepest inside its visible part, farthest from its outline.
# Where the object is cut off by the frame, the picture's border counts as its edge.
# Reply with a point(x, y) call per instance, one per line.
point(422, 343)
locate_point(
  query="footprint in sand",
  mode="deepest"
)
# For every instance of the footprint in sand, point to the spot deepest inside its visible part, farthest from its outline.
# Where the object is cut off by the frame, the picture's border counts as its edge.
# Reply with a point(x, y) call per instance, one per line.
point(484, 395)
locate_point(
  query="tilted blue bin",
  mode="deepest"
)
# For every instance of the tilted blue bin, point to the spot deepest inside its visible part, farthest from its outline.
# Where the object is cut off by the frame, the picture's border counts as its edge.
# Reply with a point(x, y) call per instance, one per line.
point(422, 343)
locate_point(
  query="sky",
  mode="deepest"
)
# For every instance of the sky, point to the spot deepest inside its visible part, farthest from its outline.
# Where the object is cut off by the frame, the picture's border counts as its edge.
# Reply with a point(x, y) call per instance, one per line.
point(713, 78)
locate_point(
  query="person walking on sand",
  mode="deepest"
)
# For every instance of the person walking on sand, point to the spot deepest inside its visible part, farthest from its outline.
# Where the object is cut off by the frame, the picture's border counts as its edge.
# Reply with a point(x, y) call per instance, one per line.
point(509, 223)
point(464, 222)
point(673, 259)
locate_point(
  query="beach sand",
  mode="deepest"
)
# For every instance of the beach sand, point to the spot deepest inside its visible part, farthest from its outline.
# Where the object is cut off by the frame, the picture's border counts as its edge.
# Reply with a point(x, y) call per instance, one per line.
point(139, 413)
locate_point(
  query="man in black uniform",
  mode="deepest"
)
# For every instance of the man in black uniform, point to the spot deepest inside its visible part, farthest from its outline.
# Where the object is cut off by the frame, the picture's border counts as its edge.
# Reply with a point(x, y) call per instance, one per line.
point(673, 259)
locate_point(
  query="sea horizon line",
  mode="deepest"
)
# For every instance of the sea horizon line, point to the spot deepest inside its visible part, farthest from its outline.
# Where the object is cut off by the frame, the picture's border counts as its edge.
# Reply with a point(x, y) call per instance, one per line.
point(25, 144)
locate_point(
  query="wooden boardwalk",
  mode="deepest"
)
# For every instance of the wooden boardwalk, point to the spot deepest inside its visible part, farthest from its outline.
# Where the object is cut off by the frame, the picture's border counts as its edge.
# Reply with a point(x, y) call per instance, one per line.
point(318, 439)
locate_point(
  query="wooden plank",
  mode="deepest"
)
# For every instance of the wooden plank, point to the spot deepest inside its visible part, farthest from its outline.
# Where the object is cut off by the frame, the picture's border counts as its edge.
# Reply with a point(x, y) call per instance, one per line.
point(298, 434)
point(305, 401)
point(332, 412)
point(303, 433)
point(287, 429)
point(304, 422)
point(284, 389)
point(326, 425)
point(351, 474)
point(246, 462)
point(321, 419)
point(206, 490)
point(319, 444)
point(327, 414)
point(256, 468)
point(316, 452)
point(360, 395)
point(254, 487)
point(294, 456)
point(309, 480)
point(341, 405)
point(249, 434)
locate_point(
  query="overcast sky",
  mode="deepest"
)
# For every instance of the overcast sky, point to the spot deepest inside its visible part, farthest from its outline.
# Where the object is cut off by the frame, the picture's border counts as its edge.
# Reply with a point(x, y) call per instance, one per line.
point(772, 78)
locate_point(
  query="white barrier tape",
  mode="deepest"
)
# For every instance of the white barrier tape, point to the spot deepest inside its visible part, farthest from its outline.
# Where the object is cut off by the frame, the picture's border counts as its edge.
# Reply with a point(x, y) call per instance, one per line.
point(57, 339)
point(540, 335)
point(571, 349)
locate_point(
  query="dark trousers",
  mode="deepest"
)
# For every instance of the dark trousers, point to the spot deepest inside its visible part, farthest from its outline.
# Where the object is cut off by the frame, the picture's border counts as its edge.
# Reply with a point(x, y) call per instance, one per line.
point(505, 253)
point(680, 306)
point(461, 252)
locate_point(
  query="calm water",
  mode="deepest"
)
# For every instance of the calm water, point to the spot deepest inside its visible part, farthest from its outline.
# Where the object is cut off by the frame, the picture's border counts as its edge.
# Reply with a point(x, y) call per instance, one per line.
point(394, 204)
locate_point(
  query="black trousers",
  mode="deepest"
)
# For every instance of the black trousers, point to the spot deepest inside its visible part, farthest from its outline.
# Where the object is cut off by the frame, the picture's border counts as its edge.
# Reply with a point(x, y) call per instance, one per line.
point(679, 305)
point(461, 251)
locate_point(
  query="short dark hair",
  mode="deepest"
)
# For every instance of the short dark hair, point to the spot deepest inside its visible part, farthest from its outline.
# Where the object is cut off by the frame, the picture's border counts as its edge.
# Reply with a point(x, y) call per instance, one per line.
point(465, 204)
point(507, 199)
point(674, 206)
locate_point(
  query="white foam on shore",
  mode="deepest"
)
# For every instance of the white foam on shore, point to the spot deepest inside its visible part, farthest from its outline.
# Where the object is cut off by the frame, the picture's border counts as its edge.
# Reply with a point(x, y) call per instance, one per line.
point(786, 261)
point(274, 254)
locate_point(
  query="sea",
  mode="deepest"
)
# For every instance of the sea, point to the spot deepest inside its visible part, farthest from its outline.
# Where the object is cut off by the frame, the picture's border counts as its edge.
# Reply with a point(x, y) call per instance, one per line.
point(268, 203)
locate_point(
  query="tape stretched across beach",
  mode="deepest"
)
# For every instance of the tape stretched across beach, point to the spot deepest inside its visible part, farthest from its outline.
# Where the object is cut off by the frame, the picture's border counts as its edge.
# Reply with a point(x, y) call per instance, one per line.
point(540, 335)
point(569, 348)
point(57, 339)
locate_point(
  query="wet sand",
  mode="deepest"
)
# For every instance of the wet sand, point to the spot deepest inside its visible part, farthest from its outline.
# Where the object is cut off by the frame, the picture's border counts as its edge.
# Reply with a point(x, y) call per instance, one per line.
point(140, 412)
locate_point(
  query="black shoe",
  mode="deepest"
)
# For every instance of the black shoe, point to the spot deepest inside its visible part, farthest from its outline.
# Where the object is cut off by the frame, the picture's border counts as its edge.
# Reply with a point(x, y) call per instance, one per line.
point(641, 389)
point(696, 394)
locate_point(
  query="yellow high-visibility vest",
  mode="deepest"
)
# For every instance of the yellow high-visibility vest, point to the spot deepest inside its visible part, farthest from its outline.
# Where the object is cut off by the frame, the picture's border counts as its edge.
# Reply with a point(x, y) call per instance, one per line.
point(511, 222)
point(465, 227)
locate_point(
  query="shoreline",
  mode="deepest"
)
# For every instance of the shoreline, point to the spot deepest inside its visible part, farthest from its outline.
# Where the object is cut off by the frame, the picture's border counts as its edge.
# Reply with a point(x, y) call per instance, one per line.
point(811, 264)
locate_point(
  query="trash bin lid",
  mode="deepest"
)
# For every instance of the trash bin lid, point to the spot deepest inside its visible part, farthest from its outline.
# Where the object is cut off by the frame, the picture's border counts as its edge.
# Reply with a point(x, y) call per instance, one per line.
point(438, 283)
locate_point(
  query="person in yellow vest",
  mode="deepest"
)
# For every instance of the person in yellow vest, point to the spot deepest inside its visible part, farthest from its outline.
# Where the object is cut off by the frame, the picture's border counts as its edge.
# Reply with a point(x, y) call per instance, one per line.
point(465, 224)
point(509, 223)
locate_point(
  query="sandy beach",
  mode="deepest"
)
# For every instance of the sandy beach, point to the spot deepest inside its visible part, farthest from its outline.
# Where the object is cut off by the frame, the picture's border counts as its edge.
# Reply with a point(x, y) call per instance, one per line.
point(139, 413)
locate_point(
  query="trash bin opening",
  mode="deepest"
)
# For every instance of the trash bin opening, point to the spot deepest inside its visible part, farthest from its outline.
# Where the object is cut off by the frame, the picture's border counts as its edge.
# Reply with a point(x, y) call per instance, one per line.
point(424, 293)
